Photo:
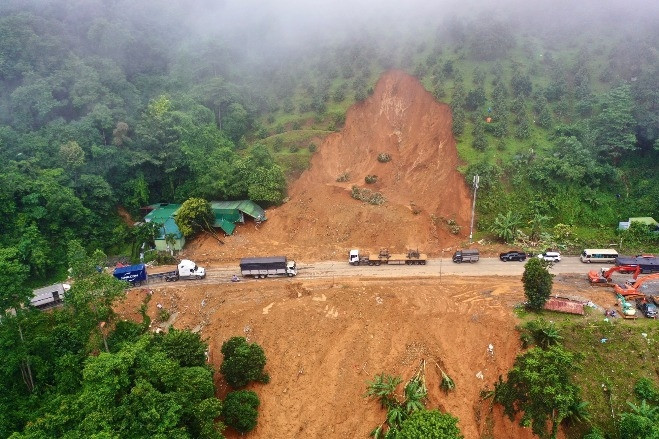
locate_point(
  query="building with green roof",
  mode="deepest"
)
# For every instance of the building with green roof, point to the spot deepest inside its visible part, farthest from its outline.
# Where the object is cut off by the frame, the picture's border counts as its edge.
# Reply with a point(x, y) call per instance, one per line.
point(226, 215)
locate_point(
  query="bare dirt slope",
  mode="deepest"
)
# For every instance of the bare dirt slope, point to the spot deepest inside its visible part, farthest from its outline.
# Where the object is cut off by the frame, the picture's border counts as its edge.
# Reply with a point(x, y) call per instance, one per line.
point(324, 340)
point(322, 221)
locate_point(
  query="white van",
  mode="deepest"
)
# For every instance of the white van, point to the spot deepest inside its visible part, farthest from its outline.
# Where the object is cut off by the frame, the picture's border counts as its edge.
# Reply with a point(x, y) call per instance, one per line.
point(598, 255)
point(550, 256)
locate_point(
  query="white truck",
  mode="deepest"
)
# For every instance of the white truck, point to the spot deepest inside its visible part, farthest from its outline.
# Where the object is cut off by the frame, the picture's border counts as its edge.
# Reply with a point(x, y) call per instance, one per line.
point(186, 269)
point(267, 266)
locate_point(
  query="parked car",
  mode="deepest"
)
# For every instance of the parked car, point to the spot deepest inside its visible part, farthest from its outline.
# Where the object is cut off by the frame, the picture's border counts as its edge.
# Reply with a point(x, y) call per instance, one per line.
point(512, 255)
point(550, 256)
point(649, 310)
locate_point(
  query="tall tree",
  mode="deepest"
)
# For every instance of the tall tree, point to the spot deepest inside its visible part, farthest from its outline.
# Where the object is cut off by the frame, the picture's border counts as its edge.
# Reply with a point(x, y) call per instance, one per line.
point(539, 385)
point(537, 283)
point(613, 128)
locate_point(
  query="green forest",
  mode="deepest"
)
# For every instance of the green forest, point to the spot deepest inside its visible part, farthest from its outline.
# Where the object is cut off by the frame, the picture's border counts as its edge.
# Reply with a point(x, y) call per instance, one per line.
point(109, 103)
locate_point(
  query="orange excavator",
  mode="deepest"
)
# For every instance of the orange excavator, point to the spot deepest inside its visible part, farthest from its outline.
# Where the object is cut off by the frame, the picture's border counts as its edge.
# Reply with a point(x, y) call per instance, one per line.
point(603, 278)
point(634, 291)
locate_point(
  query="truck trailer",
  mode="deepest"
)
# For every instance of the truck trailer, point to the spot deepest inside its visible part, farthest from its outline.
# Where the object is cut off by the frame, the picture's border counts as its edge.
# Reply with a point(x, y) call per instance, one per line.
point(133, 274)
point(137, 274)
point(50, 296)
point(412, 257)
point(270, 266)
point(647, 263)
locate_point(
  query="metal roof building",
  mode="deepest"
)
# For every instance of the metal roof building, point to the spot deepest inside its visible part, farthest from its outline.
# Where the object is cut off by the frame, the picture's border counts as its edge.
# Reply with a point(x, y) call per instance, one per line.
point(226, 215)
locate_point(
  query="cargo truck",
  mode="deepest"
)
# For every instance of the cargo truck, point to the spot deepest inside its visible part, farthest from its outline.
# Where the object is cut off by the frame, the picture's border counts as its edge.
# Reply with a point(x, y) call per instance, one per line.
point(133, 274)
point(647, 263)
point(186, 269)
point(412, 257)
point(468, 255)
point(137, 274)
point(270, 266)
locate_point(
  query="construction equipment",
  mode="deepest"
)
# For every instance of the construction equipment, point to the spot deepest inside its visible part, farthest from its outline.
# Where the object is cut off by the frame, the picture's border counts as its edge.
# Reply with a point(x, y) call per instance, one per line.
point(628, 309)
point(412, 257)
point(634, 291)
point(603, 277)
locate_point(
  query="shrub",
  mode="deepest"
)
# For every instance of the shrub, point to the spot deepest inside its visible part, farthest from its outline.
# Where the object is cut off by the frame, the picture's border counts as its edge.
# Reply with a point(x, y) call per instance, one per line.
point(293, 148)
point(185, 347)
point(370, 179)
point(312, 147)
point(163, 315)
point(278, 144)
point(383, 157)
point(240, 410)
point(367, 196)
point(243, 362)
point(343, 177)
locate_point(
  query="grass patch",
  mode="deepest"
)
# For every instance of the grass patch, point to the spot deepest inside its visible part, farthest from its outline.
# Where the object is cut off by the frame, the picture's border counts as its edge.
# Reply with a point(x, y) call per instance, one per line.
point(610, 369)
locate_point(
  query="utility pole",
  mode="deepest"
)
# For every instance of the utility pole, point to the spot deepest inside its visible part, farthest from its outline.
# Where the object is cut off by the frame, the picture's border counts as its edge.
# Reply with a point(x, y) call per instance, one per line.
point(473, 208)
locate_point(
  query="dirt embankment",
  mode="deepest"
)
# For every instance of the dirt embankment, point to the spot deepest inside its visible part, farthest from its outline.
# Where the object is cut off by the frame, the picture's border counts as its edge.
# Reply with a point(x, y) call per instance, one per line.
point(324, 340)
point(322, 221)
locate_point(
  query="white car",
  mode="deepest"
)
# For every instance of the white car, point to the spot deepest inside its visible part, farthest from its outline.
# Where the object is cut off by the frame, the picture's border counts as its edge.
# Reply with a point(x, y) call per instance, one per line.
point(550, 256)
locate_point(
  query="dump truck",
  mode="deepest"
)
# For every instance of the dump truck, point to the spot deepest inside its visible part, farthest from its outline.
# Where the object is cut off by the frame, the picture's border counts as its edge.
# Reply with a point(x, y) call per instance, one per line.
point(270, 266)
point(468, 255)
point(412, 257)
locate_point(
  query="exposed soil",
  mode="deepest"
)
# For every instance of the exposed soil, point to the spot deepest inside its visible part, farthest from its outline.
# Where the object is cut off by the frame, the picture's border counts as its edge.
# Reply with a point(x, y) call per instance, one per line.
point(324, 339)
point(321, 221)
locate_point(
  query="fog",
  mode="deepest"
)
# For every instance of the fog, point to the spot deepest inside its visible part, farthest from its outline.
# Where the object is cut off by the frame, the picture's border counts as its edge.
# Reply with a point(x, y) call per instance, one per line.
point(294, 22)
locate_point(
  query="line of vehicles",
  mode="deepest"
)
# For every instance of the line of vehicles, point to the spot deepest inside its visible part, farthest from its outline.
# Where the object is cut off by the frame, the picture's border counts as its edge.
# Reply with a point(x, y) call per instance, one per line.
point(275, 266)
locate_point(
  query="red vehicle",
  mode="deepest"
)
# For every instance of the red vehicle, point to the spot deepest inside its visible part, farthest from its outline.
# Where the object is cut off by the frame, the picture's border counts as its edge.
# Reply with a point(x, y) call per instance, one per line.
point(603, 277)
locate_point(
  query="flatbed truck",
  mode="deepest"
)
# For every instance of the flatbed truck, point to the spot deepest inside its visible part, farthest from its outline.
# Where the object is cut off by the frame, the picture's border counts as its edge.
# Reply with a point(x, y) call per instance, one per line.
point(412, 257)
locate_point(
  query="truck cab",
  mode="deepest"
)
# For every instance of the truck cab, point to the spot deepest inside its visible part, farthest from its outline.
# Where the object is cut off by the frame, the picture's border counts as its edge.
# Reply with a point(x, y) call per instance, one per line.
point(189, 269)
point(291, 269)
point(353, 257)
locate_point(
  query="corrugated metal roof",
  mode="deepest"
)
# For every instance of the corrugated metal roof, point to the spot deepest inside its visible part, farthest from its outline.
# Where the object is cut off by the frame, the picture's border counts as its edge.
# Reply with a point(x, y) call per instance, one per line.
point(170, 227)
point(225, 225)
point(246, 206)
point(162, 212)
point(644, 219)
point(564, 305)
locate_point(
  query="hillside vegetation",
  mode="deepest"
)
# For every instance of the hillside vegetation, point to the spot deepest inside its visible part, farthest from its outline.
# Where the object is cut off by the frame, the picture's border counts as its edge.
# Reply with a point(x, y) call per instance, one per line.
point(115, 105)
point(98, 109)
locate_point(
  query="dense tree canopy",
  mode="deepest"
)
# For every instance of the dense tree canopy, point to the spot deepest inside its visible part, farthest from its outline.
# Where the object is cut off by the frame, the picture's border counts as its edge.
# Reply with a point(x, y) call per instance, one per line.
point(120, 104)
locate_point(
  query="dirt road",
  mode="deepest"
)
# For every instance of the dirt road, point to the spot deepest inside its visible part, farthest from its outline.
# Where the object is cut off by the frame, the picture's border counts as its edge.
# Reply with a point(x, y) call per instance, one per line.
point(436, 268)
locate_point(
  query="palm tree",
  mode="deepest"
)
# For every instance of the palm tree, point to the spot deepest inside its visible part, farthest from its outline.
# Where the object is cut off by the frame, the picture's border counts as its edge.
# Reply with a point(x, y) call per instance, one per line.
point(383, 387)
point(537, 223)
point(644, 409)
point(505, 226)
